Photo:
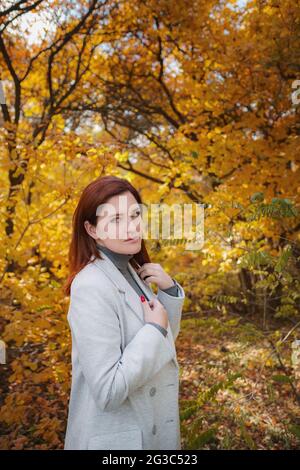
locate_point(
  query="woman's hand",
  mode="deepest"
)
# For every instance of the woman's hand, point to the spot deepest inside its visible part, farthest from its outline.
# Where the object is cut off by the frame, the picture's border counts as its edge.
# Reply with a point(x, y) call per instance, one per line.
point(153, 272)
point(154, 311)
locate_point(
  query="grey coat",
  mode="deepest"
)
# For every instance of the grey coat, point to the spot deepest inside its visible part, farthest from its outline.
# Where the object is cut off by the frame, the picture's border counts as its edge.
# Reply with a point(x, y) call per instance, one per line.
point(125, 374)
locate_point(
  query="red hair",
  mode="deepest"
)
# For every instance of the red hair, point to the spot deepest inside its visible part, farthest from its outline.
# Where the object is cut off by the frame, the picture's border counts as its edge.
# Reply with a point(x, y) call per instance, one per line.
point(82, 245)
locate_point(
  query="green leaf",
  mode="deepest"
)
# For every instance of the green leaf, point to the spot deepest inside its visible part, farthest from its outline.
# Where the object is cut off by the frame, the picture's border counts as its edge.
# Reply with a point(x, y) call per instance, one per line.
point(281, 379)
point(247, 437)
point(283, 259)
point(295, 429)
point(204, 438)
point(257, 197)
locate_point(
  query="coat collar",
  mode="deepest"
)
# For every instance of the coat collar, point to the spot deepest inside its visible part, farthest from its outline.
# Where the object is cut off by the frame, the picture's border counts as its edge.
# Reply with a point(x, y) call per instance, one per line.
point(119, 259)
point(131, 298)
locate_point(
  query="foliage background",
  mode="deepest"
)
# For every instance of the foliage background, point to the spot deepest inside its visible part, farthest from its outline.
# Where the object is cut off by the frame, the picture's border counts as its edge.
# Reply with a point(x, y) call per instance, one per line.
point(192, 102)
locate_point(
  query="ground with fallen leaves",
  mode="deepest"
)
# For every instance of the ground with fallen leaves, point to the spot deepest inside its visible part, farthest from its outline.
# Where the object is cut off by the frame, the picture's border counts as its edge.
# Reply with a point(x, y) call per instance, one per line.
point(236, 390)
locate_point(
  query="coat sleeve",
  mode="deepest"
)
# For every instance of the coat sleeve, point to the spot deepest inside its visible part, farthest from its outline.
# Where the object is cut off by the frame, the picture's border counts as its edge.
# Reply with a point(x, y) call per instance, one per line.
point(173, 290)
point(173, 305)
point(112, 375)
point(159, 327)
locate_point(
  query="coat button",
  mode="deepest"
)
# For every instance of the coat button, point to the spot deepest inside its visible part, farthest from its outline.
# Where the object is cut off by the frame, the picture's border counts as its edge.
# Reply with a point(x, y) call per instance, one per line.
point(154, 429)
point(152, 391)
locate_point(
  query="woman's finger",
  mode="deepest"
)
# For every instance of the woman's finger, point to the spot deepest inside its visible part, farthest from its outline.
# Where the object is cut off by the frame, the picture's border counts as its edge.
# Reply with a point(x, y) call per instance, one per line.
point(147, 268)
point(149, 279)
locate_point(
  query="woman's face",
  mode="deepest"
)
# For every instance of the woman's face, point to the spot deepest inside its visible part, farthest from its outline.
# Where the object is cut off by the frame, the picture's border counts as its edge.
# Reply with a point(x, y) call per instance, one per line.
point(118, 221)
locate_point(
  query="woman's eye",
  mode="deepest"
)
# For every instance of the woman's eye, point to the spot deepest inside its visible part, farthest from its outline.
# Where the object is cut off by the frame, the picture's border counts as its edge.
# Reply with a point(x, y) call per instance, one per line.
point(117, 219)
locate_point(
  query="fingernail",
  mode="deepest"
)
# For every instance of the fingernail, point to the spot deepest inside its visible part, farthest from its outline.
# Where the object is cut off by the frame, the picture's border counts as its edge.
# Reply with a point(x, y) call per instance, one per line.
point(143, 298)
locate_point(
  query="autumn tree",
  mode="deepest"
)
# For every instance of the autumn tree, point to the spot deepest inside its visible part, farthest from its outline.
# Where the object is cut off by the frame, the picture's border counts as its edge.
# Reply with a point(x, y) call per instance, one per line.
point(190, 100)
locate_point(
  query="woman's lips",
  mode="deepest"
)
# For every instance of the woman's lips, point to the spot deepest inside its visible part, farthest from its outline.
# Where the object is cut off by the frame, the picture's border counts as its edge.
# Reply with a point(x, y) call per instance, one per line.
point(132, 240)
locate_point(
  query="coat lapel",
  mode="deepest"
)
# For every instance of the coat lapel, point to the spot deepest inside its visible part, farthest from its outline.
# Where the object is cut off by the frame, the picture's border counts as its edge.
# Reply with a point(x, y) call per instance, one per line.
point(131, 298)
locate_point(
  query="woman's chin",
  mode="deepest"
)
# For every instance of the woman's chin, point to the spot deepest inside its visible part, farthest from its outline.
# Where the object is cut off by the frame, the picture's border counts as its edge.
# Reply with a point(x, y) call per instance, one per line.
point(133, 247)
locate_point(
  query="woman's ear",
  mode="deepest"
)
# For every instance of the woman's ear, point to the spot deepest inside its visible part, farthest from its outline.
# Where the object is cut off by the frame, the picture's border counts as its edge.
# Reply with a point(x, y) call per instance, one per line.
point(91, 230)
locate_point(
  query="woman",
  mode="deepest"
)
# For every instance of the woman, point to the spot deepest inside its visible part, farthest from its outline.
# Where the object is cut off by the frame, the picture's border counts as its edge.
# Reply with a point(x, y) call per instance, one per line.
point(125, 374)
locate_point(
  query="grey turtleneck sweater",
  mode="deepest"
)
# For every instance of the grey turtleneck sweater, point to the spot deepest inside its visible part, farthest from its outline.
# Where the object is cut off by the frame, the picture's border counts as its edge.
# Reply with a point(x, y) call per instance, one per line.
point(121, 261)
